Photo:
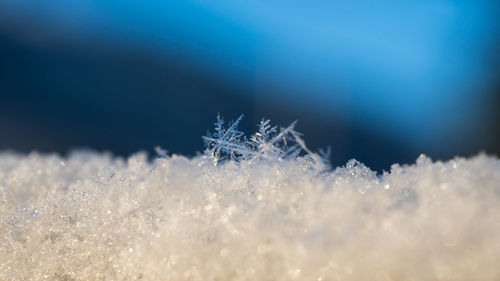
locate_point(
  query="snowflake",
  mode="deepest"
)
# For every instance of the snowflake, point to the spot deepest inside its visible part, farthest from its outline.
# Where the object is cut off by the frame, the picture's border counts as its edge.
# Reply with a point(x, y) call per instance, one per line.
point(267, 143)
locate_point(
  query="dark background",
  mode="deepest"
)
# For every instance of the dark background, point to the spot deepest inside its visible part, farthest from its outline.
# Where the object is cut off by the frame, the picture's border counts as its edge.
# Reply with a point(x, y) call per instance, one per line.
point(380, 83)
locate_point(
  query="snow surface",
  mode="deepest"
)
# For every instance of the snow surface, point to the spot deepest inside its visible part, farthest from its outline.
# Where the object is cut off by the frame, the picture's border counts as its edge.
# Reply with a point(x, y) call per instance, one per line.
point(267, 216)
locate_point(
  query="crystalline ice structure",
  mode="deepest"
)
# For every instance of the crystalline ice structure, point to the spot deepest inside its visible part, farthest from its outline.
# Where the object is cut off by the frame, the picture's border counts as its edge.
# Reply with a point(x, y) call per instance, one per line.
point(255, 215)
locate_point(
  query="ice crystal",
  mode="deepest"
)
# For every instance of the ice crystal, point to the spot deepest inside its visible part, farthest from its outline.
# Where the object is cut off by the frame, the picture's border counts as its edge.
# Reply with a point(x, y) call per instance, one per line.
point(228, 141)
point(266, 144)
point(264, 212)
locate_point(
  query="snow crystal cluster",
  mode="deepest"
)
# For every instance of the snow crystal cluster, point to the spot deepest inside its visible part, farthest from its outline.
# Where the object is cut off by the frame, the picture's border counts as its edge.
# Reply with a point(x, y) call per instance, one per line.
point(258, 208)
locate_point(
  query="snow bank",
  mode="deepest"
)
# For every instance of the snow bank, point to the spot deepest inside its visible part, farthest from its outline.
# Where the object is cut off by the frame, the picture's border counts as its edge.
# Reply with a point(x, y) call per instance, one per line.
point(93, 216)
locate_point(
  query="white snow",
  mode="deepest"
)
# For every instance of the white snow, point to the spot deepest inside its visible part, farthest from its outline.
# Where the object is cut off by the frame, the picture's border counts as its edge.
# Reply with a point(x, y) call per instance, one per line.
point(94, 216)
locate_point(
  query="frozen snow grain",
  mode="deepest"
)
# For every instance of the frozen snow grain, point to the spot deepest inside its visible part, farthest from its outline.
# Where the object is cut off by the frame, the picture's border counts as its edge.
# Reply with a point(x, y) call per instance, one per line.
point(248, 209)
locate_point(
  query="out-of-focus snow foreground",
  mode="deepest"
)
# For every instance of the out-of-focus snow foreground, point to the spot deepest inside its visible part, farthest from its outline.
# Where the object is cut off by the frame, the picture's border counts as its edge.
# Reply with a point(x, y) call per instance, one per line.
point(247, 209)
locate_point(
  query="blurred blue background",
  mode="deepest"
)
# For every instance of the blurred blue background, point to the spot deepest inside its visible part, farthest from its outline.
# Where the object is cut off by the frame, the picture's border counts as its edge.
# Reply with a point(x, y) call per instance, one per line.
point(378, 81)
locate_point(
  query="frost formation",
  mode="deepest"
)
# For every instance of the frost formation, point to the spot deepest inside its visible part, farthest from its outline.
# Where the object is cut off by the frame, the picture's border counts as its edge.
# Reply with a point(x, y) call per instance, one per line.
point(266, 143)
point(248, 209)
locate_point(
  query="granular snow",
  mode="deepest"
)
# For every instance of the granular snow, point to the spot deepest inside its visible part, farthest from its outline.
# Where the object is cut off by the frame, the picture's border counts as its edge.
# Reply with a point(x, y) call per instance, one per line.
point(94, 216)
